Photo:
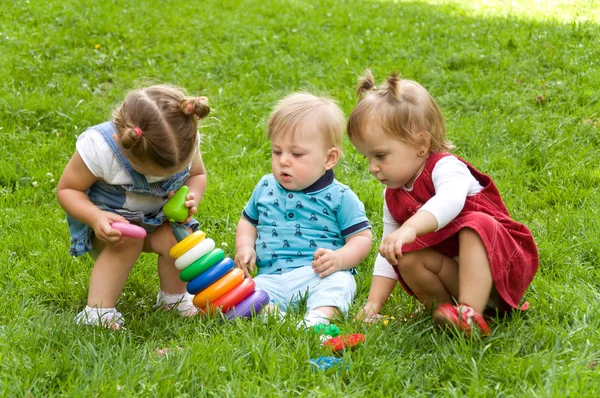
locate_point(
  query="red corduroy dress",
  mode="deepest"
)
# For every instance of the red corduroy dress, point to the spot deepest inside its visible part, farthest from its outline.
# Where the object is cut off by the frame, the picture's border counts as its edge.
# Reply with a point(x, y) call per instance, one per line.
point(510, 246)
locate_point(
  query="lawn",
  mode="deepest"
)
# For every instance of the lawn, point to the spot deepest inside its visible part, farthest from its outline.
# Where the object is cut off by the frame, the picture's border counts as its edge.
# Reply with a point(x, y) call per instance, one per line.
point(518, 82)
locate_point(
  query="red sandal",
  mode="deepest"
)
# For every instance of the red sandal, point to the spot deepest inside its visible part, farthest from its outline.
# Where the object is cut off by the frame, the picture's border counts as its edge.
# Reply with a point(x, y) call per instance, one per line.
point(462, 316)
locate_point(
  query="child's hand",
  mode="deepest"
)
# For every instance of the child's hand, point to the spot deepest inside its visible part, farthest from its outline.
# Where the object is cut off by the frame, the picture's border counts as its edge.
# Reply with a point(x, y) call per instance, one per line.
point(327, 262)
point(190, 203)
point(102, 227)
point(245, 259)
point(391, 246)
point(369, 312)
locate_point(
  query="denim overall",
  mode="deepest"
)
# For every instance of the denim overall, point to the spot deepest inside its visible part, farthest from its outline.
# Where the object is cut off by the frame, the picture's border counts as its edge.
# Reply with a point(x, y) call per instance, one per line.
point(113, 197)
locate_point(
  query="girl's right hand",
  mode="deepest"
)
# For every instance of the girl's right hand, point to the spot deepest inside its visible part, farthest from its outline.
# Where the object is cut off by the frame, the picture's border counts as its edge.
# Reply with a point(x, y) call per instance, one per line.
point(102, 227)
point(245, 259)
point(369, 312)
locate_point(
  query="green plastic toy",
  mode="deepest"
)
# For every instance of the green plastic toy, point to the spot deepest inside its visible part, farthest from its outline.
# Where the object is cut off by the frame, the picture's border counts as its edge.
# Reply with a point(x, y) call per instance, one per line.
point(329, 330)
point(175, 209)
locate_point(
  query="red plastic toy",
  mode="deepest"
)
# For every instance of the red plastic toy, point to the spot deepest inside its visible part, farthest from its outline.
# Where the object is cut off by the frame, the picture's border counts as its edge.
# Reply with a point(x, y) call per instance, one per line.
point(344, 341)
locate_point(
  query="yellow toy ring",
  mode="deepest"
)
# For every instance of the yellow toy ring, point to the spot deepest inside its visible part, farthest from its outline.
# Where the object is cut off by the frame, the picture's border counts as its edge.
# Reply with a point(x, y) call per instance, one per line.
point(219, 288)
point(186, 244)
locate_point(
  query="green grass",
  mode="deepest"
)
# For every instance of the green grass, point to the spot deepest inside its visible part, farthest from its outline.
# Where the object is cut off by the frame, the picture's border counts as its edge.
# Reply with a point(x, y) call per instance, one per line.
point(518, 82)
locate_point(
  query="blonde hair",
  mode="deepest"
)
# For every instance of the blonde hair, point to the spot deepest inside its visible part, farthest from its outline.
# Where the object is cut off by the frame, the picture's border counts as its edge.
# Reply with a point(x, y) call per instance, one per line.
point(298, 108)
point(159, 124)
point(402, 108)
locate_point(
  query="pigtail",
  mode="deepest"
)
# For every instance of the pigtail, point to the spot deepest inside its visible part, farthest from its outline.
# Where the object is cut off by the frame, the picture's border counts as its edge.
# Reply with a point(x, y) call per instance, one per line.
point(133, 137)
point(197, 106)
point(392, 86)
point(366, 83)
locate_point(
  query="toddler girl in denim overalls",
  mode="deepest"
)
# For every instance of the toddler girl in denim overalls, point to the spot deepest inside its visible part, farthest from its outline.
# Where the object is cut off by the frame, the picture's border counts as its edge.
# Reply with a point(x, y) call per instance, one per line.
point(125, 170)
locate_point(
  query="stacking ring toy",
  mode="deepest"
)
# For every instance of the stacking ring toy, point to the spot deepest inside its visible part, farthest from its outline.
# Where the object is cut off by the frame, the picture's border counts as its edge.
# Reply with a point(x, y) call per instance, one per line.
point(250, 306)
point(234, 296)
point(129, 230)
point(201, 265)
point(194, 253)
point(219, 288)
point(186, 244)
point(209, 277)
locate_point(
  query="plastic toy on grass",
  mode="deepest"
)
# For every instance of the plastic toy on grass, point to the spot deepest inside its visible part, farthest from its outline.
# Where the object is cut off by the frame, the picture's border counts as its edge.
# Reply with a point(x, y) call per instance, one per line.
point(211, 275)
point(325, 363)
point(346, 341)
point(328, 330)
point(129, 230)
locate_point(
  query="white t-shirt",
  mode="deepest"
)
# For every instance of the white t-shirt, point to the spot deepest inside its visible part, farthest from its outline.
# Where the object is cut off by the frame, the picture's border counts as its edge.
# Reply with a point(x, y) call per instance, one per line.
point(453, 182)
point(102, 163)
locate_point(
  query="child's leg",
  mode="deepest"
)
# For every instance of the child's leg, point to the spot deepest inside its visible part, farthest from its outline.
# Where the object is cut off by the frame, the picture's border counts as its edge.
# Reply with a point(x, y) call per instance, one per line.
point(160, 242)
point(475, 277)
point(432, 276)
point(172, 292)
point(110, 271)
point(327, 297)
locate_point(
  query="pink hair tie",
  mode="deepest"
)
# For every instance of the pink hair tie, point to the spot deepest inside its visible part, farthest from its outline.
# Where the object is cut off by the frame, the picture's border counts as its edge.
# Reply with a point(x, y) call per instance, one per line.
point(138, 131)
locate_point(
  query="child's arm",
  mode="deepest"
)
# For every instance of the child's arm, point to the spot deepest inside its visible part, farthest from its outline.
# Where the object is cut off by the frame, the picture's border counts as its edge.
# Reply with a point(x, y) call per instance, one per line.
point(356, 249)
point(245, 240)
point(71, 193)
point(196, 182)
point(452, 182)
point(420, 223)
point(381, 288)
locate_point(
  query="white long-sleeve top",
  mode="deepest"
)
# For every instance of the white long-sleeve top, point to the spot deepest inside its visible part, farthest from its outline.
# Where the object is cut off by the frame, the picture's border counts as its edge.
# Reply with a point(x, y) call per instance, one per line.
point(453, 182)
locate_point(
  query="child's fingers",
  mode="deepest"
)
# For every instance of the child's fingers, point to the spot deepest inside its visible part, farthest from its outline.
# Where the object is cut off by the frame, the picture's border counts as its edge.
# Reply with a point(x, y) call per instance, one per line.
point(326, 269)
point(388, 253)
point(318, 253)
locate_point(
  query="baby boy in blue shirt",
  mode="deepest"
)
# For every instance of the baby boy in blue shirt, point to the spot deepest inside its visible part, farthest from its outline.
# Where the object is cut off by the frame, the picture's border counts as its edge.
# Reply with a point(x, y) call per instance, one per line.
point(303, 229)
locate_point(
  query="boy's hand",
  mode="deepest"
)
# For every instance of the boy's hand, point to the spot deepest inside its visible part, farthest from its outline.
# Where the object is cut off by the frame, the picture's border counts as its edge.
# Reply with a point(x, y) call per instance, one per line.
point(190, 203)
point(391, 246)
point(102, 228)
point(245, 259)
point(327, 261)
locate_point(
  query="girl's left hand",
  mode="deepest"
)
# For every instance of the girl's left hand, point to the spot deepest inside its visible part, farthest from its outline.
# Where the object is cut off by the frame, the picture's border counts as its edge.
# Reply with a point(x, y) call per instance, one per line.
point(391, 246)
point(190, 203)
point(326, 262)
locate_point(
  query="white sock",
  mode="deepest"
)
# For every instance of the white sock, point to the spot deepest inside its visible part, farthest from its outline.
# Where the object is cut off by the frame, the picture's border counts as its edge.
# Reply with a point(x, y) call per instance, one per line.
point(183, 302)
point(272, 310)
point(107, 317)
point(313, 318)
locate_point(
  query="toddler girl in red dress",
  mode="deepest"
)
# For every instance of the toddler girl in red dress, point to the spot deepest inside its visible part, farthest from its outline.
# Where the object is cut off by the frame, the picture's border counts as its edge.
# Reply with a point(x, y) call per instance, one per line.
point(448, 237)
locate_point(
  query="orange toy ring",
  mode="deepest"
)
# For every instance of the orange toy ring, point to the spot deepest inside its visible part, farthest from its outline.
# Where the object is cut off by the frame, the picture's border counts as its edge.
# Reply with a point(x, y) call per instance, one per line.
point(219, 288)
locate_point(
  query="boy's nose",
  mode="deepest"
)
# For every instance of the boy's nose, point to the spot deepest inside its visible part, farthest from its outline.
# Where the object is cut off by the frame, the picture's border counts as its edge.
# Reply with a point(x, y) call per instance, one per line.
point(284, 159)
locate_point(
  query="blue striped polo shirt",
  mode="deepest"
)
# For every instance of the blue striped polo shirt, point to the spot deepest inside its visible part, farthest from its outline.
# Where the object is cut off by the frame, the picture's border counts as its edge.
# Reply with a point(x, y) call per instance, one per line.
point(291, 225)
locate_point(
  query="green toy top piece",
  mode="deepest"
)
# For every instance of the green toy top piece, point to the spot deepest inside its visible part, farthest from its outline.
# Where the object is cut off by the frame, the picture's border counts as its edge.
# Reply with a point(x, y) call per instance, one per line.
point(175, 209)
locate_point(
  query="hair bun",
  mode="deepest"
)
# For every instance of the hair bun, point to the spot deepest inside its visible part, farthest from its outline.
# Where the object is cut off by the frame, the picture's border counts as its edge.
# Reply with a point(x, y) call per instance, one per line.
point(195, 106)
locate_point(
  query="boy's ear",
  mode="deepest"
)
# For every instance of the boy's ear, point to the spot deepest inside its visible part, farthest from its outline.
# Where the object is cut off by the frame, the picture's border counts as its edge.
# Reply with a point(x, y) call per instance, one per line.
point(333, 157)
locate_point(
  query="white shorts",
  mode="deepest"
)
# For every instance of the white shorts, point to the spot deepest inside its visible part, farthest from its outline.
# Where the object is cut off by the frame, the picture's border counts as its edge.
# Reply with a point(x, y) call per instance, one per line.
point(336, 290)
